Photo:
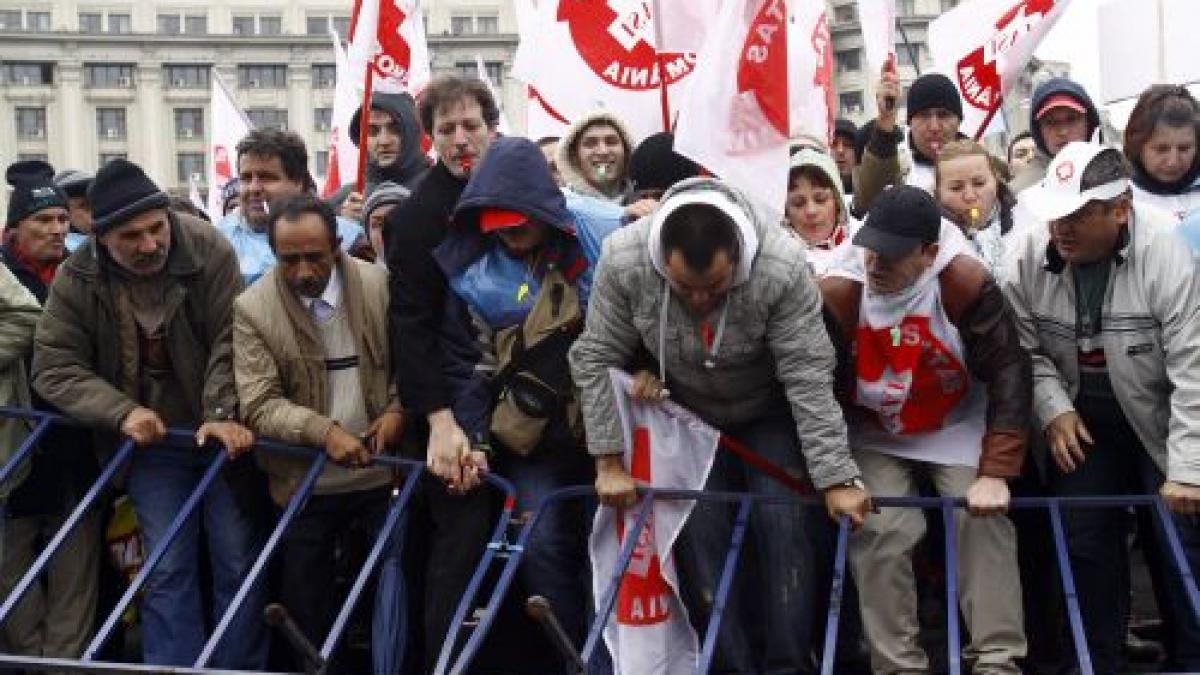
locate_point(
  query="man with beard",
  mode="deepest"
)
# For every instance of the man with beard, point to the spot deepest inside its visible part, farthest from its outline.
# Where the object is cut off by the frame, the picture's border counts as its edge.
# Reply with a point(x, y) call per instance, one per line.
point(272, 166)
point(136, 337)
point(393, 147)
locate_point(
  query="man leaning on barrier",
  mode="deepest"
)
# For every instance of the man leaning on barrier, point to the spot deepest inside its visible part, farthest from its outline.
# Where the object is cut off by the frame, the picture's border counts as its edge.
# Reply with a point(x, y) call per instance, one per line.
point(940, 388)
point(136, 337)
point(722, 296)
point(1107, 301)
point(312, 367)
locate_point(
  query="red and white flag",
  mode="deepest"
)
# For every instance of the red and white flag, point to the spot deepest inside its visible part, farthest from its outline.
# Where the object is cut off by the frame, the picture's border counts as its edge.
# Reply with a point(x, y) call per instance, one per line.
point(984, 45)
point(229, 125)
point(812, 95)
point(737, 119)
point(347, 94)
point(583, 55)
point(667, 447)
point(684, 23)
point(390, 36)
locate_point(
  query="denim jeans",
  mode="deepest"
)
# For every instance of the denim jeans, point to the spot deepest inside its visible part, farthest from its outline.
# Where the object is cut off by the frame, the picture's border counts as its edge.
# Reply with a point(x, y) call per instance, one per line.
point(173, 622)
point(1097, 541)
point(768, 624)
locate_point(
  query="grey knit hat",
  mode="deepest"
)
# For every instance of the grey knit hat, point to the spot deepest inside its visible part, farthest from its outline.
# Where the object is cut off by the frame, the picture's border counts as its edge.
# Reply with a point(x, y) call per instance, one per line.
point(384, 193)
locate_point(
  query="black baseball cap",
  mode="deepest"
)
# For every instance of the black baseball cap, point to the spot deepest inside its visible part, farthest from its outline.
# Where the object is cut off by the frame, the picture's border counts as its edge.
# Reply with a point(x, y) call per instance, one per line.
point(901, 219)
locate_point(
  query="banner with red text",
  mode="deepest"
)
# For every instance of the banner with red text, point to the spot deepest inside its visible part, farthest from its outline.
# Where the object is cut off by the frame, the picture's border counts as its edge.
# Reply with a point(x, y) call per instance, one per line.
point(229, 125)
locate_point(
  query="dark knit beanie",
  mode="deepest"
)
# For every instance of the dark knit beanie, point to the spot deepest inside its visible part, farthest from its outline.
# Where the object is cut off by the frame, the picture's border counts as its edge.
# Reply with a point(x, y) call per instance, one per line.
point(119, 192)
point(655, 165)
point(33, 190)
point(846, 129)
point(930, 91)
point(73, 182)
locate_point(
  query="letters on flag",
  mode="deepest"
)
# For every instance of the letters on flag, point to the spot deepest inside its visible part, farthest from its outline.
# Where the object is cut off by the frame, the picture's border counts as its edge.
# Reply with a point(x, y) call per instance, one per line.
point(984, 45)
point(667, 447)
point(229, 125)
point(389, 36)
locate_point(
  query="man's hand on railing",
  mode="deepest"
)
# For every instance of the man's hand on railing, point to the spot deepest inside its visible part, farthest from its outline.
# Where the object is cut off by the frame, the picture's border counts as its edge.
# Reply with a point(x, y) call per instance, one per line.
point(448, 445)
point(848, 500)
point(346, 449)
point(236, 438)
point(144, 426)
point(988, 496)
point(1181, 498)
point(614, 485)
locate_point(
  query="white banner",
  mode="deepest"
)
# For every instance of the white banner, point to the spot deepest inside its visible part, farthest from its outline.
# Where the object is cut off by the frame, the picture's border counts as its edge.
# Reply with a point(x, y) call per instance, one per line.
point(684, 23)
point(812, 96)
point(666, 447)
point(347, 94)
point(983, 46)
point(229, 125)
point(878, 21)
point(1147, 42)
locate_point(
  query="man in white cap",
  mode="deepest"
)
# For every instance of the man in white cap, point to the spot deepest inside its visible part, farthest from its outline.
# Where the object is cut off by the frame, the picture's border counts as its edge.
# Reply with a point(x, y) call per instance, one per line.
point(1107, 301)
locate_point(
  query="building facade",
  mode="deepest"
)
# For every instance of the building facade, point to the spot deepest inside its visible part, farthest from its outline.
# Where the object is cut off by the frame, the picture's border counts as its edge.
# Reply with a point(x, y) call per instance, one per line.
point(86, 81)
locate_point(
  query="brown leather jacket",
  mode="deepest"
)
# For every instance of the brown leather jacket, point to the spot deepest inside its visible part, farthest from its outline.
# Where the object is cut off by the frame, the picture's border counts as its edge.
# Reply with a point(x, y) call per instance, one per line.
point(975, 305)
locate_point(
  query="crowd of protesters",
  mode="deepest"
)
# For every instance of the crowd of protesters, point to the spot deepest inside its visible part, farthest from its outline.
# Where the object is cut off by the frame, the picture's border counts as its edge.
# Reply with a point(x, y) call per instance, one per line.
point(926, 318)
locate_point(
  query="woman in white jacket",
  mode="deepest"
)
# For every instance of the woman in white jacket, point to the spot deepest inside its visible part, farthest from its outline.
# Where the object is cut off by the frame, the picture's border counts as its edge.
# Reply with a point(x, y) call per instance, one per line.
point(974, 196)
point(1161, 139)
point(816, 211)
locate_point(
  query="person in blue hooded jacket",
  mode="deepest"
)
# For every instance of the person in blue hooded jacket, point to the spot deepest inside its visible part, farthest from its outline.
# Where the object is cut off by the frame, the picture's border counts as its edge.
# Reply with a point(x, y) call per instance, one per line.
point(516, 232)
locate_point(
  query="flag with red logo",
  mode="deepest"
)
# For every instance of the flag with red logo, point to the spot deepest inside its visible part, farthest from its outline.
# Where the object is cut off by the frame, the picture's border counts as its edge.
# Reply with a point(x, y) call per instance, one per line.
point(229, 125)
point(584, 55)
point(389, 37)
point(737, 119)
point(984, 45)
point(666, 447)
point(812, 95)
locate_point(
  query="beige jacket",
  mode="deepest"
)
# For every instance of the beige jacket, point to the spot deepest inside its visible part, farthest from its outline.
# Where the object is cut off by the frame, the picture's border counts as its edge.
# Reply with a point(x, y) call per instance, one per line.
point(279, 367)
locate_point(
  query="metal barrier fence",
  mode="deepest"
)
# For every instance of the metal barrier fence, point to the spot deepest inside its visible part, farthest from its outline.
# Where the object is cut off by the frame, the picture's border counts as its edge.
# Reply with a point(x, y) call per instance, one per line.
point(505, 555)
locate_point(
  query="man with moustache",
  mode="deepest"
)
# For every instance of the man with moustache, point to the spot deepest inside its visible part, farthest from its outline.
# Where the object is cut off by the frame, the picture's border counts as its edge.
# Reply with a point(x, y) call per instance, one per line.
point(136, 338)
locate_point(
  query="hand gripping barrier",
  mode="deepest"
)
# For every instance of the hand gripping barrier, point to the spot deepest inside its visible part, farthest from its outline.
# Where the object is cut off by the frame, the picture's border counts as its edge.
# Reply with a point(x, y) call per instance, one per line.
point(181, 439)
point(744, 502)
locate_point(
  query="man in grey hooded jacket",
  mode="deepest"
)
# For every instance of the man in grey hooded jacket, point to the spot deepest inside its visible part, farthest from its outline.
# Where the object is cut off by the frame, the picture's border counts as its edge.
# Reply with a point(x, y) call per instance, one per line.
point(721, 296)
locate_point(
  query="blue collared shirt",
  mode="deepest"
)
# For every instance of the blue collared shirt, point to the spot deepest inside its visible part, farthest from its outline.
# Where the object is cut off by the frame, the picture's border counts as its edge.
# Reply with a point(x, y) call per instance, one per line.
point(254, 254)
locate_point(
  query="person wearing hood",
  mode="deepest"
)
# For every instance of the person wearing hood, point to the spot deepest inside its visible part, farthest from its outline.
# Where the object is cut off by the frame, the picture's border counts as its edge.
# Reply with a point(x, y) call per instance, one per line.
point(593, 156)
point(519, 260)
point(973, 196)
point(940, 387)
point(394, 152)
point(1161, 141)
point(1060, 112)
point(816, 210)
point(934, 114)
point(75, 183)
point(719, 294)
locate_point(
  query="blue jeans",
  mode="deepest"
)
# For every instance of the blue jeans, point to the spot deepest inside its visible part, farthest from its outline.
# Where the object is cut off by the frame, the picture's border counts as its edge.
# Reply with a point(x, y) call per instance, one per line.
point(1097, 541)
point(173, 622)
point(768, 624)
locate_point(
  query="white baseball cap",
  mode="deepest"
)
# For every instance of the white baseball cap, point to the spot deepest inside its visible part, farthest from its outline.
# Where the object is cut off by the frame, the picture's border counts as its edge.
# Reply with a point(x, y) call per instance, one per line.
point(1059, 193)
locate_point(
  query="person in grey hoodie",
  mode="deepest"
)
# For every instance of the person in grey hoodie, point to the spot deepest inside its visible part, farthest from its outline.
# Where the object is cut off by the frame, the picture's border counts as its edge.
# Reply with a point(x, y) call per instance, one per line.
point(721, 296)
point(394, 152)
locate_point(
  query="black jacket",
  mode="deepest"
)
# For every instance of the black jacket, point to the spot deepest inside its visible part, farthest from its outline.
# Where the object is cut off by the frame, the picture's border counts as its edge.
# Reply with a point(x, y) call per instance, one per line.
point(418, 288)
point(408, 168)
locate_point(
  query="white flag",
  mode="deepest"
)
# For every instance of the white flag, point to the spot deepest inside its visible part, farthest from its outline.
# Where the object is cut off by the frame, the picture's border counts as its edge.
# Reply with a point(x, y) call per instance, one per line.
point(812, 96)
point(984, 45)
point(541, 121)
point(347, 95)
point(878, 21)
point(194, 196)
point(736, 122)
point(229, 125)
point(684, 23)
point(667, 447)
point(481, 71)
point(390, 36)
point(583, 55)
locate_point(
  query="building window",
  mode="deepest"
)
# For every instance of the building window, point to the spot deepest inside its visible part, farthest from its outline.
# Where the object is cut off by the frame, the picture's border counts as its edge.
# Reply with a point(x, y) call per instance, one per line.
point(324, 75)
point(495, 71)
point(262, 77)
point(323, 119)
point(851, 101)
point(243, 25)
point(319, 24)
point(844, 14)
point(32, 157)
point(120, 23)
point(119, 75)
point(848, 61)
point(270, 25)
point(906, 7)
point(195, 25)
point(186, 76)
point(10, 19)
point(190, 165)
point(31, 122)
point(37, 21)
point(189, 123)
point(906, 52)
point(169, 24)
point(948, 5)
point(106, 157)
point(268, 118)
point(341, 23)
point(27, 74)
point(91, 22)
point(321, 160)
point(461, 25)
point(487, 25)
point(110, 123)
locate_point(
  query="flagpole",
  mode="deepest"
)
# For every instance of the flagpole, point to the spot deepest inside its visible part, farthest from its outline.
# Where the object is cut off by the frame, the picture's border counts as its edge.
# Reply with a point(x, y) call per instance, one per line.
point(914, 55)
point(987, 121)
point(364, 123)
point(664, 98)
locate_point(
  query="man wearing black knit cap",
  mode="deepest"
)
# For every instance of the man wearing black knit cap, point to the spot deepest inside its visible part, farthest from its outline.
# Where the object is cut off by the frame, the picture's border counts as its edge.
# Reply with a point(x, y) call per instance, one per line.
point(841, 148)
point(136, 337)
point(934, 111)
point(75, 183)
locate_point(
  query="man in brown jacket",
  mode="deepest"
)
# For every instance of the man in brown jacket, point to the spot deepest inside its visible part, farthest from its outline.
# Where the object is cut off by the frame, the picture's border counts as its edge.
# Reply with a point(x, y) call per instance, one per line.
point(938, 386)
point(312, 367)
point(136, 337)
